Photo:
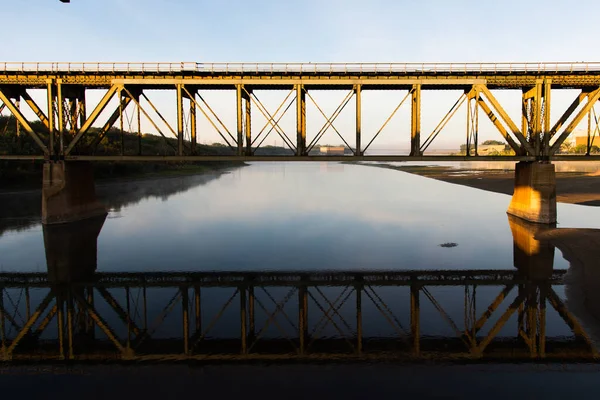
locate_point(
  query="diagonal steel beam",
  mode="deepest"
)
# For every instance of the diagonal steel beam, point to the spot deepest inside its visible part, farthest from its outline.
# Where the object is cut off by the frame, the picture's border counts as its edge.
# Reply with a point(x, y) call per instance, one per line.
point(23, 121)
point(2, 107)
point(149, 118)
point(199, 336)
point(443, 122)
point(218, 120)
point(410, 92)
point(93, 116)
point(112, 302)
point(592, 99)
point(100, 322)
point(504, 115)
point(275, 115)
point(111, 121)
point(500, 323)
point(192, 98)
point(569, 111)
point(270, 118)
point(35, 108)
point(571, 321)
point(329, 120)
point(163, 119)
point(30, 322)
point(488, 111)
point(492, 308)
point(329, 317)
point(271, 130)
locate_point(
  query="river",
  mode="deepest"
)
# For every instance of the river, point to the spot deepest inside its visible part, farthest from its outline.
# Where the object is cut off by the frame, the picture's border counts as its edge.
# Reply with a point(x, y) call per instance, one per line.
point(297, 217)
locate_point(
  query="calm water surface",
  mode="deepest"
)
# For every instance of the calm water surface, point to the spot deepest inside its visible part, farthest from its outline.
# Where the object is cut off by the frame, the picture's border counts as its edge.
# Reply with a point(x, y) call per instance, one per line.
point(295, 216)
point(298, 216)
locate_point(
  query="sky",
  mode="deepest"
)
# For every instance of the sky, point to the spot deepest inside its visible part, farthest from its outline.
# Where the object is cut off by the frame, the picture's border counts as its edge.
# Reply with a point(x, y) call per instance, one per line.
point(309, 31)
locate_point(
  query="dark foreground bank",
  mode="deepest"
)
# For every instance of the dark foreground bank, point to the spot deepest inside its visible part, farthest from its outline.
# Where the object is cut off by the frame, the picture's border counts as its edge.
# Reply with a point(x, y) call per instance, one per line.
point(332, 381)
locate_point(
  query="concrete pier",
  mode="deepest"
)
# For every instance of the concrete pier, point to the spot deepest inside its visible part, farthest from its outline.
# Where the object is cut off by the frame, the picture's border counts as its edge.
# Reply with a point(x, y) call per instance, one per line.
point(534, 197)
point(68, 193)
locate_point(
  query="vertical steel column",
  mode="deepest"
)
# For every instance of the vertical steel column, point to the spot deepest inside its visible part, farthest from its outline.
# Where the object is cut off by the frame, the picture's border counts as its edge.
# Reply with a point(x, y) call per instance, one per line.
point(537, 118)
point(547, 126)
point(476, 132)
point(186, 319)
point(193, 127)
point(51, 126)
point(240, 133)
point(139, 125)
point(128, 310)
point(72, 114)
point(303, 317)
point(531, 306)
point(542, 342)
point(300, 121)
point(179, 120)
point(359, 333)
point(120, 97)
point(589, 133)
point(469, 127)
point(60, 321)
point(70, 310)
point(90, 321)
point(197, 310)
point(2, 328)
point(61, 122)
point(248, 125)
point(415, 318)
point(357, 92)
point(243, 326)
point(251, 315)
point(415, 129)
point(81, 108)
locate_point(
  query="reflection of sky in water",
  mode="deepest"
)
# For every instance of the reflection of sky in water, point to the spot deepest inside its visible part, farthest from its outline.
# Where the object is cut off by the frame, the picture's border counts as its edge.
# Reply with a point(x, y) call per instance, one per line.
point(305, 216)
point(315, 216)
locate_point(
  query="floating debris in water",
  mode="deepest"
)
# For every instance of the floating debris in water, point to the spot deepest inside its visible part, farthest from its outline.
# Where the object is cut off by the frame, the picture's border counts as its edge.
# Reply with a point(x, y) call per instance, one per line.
point(449, 244)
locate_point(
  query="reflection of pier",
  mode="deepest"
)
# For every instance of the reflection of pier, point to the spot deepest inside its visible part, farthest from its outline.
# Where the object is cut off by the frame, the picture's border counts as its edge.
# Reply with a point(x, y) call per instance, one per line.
point(298, 306)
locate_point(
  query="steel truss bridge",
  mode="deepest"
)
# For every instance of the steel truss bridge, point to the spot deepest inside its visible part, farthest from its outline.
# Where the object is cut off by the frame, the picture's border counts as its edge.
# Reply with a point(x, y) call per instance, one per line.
point(109, 316)
point(66, 117)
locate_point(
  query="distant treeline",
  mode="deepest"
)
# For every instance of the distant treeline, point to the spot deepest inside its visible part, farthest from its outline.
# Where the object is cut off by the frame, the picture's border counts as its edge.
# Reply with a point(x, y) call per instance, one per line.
point(25, 172)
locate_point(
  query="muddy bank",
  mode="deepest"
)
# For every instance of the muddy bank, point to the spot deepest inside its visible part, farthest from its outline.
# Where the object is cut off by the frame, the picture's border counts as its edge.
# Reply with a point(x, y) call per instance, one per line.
point(571, 187)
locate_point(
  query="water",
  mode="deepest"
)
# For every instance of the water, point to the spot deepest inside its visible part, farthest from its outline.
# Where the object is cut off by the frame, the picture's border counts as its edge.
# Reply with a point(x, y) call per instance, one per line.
point(295, 217)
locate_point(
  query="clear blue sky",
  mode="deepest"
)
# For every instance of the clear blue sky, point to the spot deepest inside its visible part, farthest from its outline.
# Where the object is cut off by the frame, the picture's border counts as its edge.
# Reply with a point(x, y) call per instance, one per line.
point(308, 31)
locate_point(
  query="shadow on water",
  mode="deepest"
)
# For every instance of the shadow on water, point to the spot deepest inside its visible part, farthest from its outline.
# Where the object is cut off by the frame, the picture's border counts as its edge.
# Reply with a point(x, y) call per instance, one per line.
point(22, 210)
point(73, 312)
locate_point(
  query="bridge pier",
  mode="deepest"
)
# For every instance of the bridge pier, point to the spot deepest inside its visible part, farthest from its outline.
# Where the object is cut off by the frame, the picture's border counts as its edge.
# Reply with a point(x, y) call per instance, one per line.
point(534, 196)
point(68, 192)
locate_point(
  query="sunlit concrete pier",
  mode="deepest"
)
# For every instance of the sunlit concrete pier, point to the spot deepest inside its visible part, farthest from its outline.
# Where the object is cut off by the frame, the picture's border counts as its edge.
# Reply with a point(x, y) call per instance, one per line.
point(67, 116)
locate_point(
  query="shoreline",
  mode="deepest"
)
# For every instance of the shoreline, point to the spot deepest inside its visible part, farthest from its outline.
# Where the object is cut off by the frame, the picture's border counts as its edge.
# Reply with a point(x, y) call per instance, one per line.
point(581, 188)
point(190, 170)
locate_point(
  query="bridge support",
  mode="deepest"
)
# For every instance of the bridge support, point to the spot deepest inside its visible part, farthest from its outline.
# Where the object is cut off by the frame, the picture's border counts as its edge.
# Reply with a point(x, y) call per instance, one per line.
point(534, 197)
point(68, 193)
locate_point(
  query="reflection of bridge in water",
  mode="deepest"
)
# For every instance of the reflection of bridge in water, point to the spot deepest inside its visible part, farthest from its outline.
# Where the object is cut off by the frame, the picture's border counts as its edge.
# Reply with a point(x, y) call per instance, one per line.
point(72, 312)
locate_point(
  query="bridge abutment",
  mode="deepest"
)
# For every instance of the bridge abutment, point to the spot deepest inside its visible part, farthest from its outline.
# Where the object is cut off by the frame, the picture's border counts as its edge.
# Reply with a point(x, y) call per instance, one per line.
point(68, 193)
point(534, 196)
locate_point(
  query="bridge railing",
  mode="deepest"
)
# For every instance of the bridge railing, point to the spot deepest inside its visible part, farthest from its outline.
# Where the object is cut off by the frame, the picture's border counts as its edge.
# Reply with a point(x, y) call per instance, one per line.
point(304, 68)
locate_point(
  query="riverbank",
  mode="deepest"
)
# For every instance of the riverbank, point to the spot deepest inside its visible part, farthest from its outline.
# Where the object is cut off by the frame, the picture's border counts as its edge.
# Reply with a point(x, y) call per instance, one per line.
point(571, 187)
point(106, 173)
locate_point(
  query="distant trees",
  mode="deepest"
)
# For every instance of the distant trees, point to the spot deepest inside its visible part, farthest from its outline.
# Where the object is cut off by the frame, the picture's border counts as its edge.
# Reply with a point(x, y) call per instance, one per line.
point(493, 143)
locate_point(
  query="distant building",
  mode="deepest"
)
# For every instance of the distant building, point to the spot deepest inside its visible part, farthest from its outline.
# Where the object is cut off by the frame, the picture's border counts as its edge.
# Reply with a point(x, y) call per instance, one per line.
point(332, 150)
